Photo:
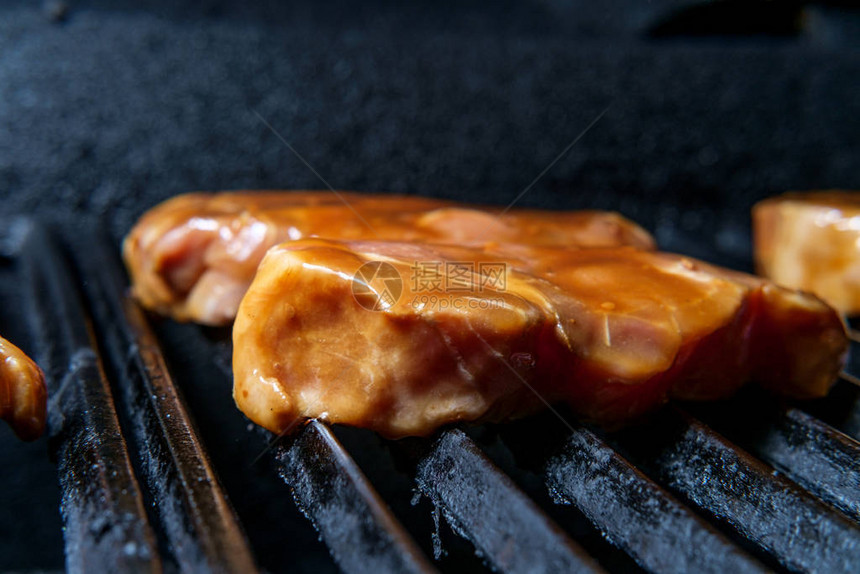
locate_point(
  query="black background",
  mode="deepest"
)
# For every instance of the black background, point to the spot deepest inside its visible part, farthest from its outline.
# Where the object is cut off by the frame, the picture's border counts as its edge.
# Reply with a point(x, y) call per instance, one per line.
point(109, 107)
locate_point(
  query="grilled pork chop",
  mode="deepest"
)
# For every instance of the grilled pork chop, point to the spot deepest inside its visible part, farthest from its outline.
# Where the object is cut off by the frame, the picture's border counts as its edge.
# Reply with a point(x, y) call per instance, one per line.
point(23, 397)
point(811, 241)
point(193, 256)
point(405, 337)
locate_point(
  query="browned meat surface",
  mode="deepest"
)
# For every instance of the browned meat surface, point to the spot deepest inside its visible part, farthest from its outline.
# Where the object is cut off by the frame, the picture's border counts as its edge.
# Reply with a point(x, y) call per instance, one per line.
point(811, 241)
point(194, 256)
point(23, 398)
point(612, 332)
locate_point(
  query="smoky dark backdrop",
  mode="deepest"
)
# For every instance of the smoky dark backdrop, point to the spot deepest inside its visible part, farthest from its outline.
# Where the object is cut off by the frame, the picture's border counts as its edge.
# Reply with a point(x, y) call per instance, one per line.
point(110, 107)
point(107, 108)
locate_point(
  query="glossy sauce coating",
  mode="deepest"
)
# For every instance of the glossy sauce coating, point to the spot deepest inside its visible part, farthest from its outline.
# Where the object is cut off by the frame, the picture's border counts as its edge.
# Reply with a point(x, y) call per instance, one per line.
point(193, 256)
point(613, 332)
point(23, 396)
point(811, 241)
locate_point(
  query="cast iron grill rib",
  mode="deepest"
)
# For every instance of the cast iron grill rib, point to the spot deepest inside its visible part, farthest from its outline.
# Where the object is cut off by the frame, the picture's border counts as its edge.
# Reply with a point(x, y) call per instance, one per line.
point(328, 486)
point(642, 518)
point(106, 527)
point(707, 471)
point(821, 459)
point(200, 525)
point(723, 503)
point(484, 505)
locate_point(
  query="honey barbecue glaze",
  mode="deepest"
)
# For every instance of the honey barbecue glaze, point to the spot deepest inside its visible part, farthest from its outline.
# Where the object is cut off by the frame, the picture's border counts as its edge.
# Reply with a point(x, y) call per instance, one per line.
point(811, 241)
point(23, 397)
point(612, 332)
point(587, 314)
point(193, 257)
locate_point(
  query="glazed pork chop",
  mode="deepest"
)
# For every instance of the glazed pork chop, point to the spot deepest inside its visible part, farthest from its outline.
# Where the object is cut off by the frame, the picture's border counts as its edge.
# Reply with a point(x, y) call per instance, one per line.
point(193, 256)
point(811, 241)
point(356, 333)
point(23, 397)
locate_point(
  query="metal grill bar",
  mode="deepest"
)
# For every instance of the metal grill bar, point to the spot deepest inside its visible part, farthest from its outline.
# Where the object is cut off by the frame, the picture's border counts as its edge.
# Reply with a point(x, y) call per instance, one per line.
point(361, 532)
point(735, 488)
point(487, 508)
point(636, 514)
point(201, 528)
point(106, 526)
point(821, 459)
point(818, 457)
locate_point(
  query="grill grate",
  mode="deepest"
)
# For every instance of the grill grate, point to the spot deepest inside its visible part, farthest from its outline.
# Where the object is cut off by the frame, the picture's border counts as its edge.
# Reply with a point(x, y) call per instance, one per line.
point(199, 526)
point(814, 455)
point(638, 514)
point(744, 493)
point(141, 492)
point(351, 517)
point(484, 506)
point(106, 528)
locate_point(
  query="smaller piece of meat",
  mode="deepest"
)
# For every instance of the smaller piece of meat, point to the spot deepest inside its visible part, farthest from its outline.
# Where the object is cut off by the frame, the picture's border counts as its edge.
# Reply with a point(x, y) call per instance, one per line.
point(23, 396)
point(193, 256)
point(811, 241)
point(404, 337)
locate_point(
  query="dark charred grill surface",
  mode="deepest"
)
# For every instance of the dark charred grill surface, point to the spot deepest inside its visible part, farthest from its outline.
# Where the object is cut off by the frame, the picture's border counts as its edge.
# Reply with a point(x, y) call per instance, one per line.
point(636, 513)
point(105, 526)
point(351, 517)
point(107, 108)
point(484, 506)
point(139, 418)
point(813, 454)
point(199, 526)
point(745, 494)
